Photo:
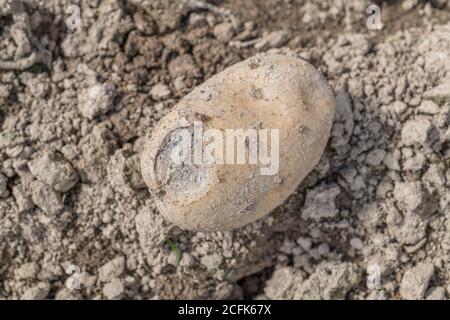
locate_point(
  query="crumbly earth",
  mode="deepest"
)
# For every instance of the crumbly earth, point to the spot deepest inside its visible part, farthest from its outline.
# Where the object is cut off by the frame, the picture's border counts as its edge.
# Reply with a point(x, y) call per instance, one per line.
point(372, 221)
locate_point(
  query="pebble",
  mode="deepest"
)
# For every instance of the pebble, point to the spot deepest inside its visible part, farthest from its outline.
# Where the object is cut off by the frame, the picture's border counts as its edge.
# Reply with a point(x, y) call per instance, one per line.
point(3, 186)
point(413, 197)
point(409, 4)
point(96, 100)
point(160, 92)
point(224, 32)
point(54, 170)
point(375, 157)
point(330, 280)
point(415, 281)
point(436, 293)
point(23, 200)
point(320, 202)
point(428, 107)
point(344, 122)
point(417, 131)
point(323, 249)
point(305, 243)
point(68, 294)
point(274, 39)
point(46, 198)
point(356, 244)
point(114, 290)
point(439, 94)
point(38, 292)
point(112, 269)
point(392, 160)
point(26, 271)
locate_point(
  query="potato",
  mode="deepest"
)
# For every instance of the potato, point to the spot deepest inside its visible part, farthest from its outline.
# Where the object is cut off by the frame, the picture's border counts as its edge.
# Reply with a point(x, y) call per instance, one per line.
point(276, 107)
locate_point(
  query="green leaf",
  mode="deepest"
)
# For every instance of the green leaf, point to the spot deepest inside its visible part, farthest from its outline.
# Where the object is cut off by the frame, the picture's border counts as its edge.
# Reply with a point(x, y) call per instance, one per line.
point(175, 250)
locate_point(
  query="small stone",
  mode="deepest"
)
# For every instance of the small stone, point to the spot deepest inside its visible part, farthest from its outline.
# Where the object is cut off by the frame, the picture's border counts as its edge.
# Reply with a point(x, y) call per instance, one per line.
point(179, 84)
point(54, 170)
point(282, 283)
point(23, 200)
point(144, 23)
point(442, 120)
point(87, 281)
point(407, 229)
point(133, 173)
point(435, 175)
point(415, 281)
point(183, 65)
point(68, 294)
point(9, 167)
point(46, 198)
point(440, 4)
point(112, 269)
point(414, 163)
point(344, 123)
point(49, 271)
point(330, 281)
point(3, 186)
point(375, 157)
point(439, 94)
point(212, 261)
point(377, 295)
point(224, 32)
point(409, 4)
point(407, 153)
point(159, 107)
point(384, 187)
point(38, 292)
point(356, 244)
point(160, 92)
point(305, 243)
point(152, 228)
point(413, 248)
point(428, 107)
point(358, 183)
point(392, 160)
point(371, 215)
point(274, 39)
point(436, 293)
point(323, 249)
point(9, 139)
point(114, 290)
point(320, 202)
point(174, 258)
point(187, 260)
point(197, 19)
point(398, 107)
point(96, 100)
point(412, 196)
point(417, 131)
point(26, 271)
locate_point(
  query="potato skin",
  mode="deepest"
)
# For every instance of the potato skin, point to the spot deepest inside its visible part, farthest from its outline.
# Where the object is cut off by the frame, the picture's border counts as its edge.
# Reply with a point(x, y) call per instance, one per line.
point(271, 90)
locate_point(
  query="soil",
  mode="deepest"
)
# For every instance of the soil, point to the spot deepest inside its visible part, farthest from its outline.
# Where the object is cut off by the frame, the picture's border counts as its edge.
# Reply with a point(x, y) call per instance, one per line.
point(371, 221)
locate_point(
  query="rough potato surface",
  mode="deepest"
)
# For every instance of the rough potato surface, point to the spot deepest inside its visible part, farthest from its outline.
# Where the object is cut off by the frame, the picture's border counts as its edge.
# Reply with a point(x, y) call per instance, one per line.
point(267, 91)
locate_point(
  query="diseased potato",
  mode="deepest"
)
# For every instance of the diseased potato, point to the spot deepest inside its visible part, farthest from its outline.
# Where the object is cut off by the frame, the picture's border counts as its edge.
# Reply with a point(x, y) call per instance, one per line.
point(238, 145)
